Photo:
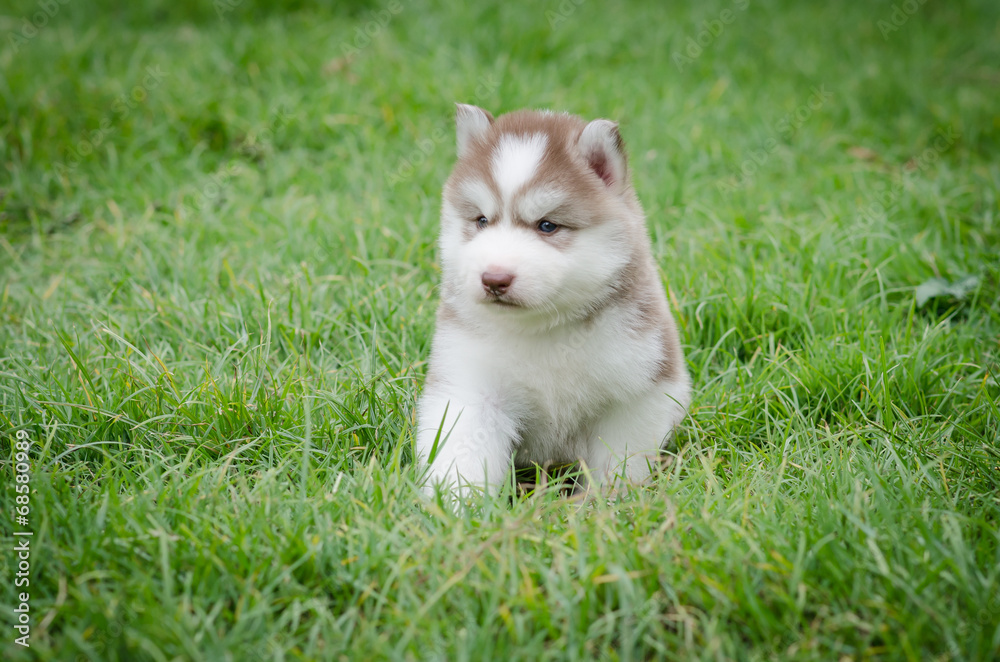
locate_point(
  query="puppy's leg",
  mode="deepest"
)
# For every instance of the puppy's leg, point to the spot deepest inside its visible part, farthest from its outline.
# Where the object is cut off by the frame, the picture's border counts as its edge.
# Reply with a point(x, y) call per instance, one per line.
point(474, 440)
point(628, 439)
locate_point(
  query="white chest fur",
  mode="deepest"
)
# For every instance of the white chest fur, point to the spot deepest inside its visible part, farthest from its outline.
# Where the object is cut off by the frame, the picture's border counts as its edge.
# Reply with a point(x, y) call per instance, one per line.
point(554, 384)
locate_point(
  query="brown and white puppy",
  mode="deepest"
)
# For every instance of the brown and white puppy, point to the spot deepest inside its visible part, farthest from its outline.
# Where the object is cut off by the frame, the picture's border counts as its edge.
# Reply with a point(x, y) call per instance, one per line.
point(554, 340)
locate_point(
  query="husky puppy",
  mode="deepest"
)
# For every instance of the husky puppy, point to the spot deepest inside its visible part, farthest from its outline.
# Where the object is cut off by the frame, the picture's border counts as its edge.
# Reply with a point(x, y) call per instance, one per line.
point(554, 340)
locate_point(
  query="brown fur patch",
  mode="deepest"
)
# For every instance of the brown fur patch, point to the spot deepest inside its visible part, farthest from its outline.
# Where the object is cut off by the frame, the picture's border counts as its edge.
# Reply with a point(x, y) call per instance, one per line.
point(562, 166)
point(670, 366)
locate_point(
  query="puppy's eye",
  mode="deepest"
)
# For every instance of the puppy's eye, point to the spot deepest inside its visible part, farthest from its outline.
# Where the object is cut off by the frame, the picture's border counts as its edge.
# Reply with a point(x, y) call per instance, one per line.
point(546, 226)
point(482, 222)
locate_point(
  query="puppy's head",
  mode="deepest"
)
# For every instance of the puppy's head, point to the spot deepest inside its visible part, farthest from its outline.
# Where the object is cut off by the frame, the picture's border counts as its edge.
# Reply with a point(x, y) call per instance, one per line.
point(539, 221)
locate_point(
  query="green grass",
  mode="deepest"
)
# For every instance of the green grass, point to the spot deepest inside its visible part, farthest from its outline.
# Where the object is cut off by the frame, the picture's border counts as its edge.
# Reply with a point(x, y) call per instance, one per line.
point(214, 323)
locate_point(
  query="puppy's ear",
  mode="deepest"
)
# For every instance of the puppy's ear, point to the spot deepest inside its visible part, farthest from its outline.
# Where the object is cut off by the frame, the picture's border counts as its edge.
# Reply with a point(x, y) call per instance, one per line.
point(602, 147)
point(471, 124)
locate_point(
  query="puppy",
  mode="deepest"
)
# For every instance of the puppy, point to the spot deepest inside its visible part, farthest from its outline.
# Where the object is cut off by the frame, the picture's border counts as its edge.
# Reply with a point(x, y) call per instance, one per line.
point(554, 340)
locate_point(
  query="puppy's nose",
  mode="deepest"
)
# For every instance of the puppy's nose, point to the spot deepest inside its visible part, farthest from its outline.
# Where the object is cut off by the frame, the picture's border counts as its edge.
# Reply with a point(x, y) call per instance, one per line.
point(497, 282)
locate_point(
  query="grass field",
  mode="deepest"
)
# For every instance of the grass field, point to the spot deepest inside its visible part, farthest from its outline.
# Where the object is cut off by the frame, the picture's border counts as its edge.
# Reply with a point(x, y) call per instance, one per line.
point(217, 293)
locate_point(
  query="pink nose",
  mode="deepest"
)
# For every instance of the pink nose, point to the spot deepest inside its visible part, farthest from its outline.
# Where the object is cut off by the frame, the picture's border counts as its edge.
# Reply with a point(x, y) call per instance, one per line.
point(496, 283)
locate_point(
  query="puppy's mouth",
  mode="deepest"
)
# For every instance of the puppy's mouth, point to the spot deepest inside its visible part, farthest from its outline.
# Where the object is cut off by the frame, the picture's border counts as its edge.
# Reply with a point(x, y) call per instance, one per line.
point(501, 301)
